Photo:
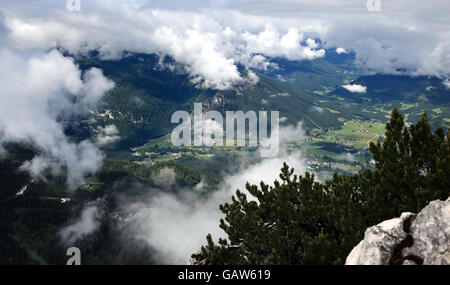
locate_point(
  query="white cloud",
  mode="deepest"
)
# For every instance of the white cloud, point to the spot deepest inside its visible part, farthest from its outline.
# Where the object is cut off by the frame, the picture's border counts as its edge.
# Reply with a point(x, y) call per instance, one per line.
point(281, 78)
point(209, 46)
point(208, 66)
point(107, 135)
point(86, 224)
point(252, 78)
point(318, 109)
point(272, 43)
point(175, 225)
point(346, 157)
point(210, 39)
point(37, 91)
point(340, 50)
point(311, 43)
point(355, 88)
point(446, 83)
point(257, 61)
point(165, 177)
point(291, 132)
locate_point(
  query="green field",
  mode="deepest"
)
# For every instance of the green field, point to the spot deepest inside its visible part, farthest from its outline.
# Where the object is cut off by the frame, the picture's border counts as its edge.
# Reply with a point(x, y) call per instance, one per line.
point(355, 133)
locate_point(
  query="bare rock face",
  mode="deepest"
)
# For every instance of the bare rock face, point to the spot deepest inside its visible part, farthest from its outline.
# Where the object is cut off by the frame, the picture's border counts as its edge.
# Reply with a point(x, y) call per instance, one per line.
point(409, 240)
point(431, 234)
point(379, 242)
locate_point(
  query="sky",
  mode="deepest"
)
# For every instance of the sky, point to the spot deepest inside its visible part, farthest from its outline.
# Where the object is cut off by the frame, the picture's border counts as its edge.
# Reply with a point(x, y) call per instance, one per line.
point(212, 37)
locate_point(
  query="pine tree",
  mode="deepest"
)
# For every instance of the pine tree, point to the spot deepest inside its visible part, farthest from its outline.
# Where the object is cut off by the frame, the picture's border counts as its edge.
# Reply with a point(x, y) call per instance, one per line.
point(409, 169)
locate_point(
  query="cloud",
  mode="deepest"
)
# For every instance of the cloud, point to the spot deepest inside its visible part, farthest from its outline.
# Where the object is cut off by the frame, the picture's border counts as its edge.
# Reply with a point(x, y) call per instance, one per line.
point(267, 171)
point(3, 29)
point(3, 152)
point(87, 223)
point(346, 157)
point(446, 83)
point(281, 78)
point(257, 61)
point(252, 78)
point(318, 109)
point(138, 101)
point(38, 90)
point(355, 88)
point(272, 43)
point(209, 48)
point(291, 132)
point(165, 177)
point(200, 52)
point(212, 39)
point(176, 224)
point(107, 135)
point(340, 50)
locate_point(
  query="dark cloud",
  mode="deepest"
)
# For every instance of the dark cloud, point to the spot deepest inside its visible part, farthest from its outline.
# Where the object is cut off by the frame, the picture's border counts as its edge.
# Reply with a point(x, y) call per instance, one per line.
point(3, 28)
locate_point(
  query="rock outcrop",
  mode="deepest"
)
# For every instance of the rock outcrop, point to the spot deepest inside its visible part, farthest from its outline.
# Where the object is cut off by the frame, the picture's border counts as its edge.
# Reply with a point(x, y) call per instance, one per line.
point(409, 240)
point(431, 234)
